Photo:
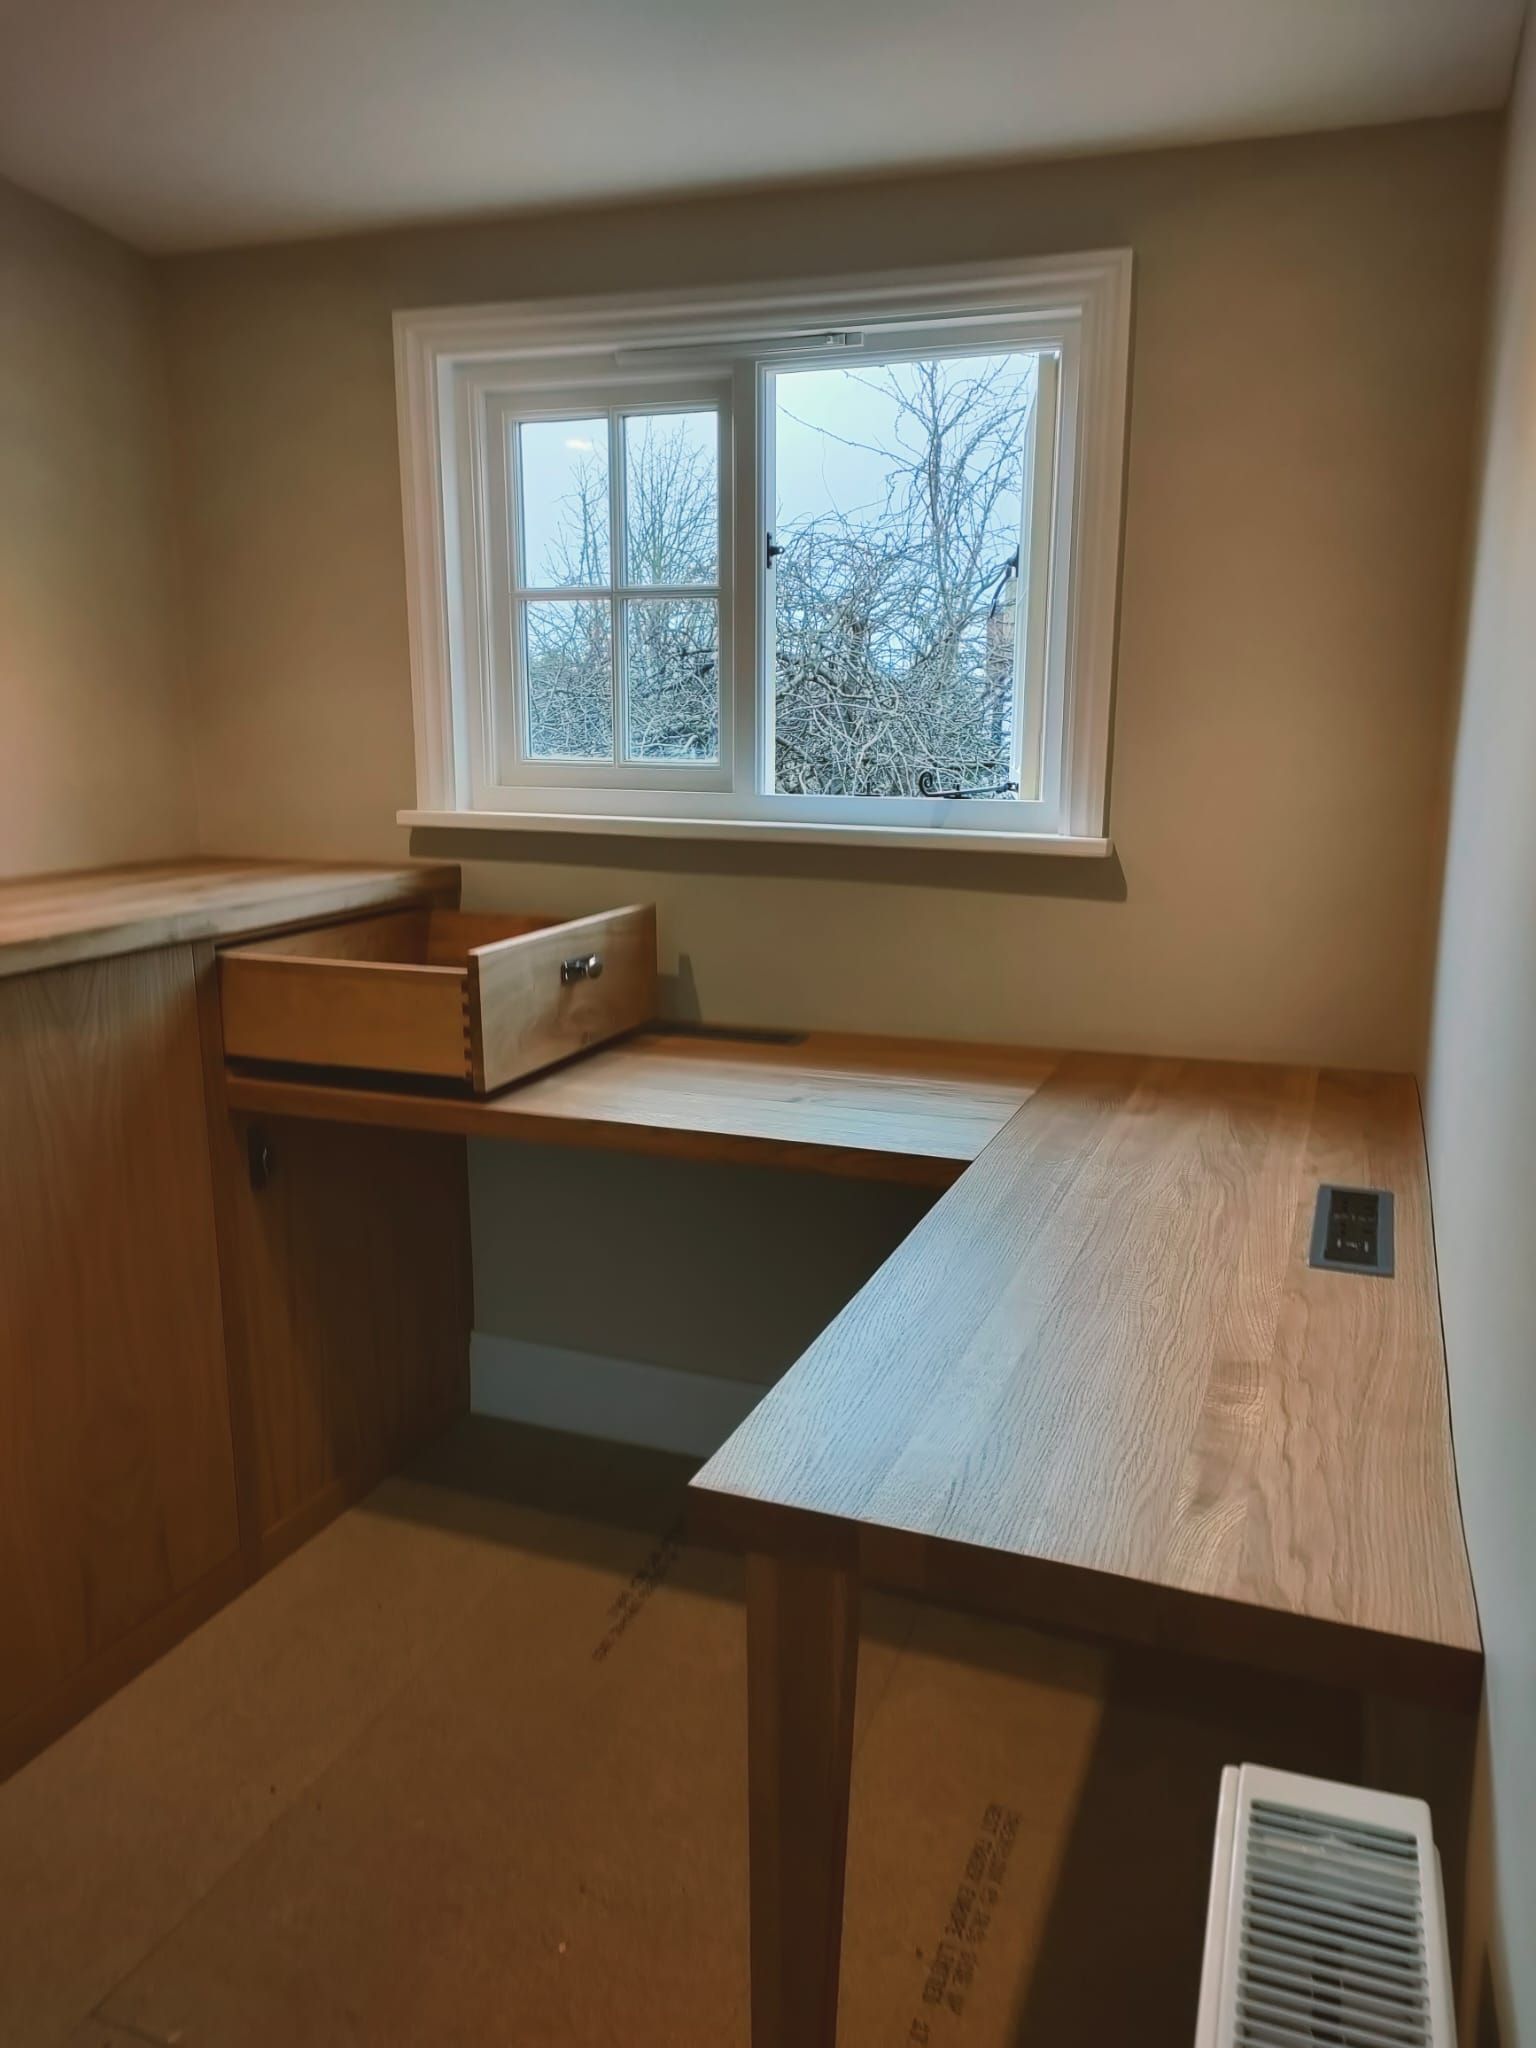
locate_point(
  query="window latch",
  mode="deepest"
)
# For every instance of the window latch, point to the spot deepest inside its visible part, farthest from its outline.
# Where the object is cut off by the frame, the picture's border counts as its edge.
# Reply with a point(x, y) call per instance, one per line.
point(930, 783)
point(773, 551)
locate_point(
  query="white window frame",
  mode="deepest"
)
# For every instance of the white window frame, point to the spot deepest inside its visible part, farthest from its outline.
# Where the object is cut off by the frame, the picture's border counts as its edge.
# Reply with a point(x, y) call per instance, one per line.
point(462, 373)
point(499, 714)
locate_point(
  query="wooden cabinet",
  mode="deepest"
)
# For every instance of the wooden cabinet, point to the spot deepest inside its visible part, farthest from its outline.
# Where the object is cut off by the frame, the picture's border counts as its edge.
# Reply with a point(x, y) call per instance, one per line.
point(117, 1483)
point(196, 1370)
point(347, 1312)
point(347, 1298)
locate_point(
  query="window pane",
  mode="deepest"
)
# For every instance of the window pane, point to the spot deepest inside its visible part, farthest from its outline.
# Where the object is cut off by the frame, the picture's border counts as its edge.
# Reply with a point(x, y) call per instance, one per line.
point(563, 502)
point(569, 666)
point(672, 677)
point(900, 496)
point(672, 497)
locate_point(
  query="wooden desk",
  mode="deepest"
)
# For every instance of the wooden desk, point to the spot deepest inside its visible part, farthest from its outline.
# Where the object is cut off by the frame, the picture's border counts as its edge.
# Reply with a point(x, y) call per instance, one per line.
point(1099, 1386)
point(876, 1108)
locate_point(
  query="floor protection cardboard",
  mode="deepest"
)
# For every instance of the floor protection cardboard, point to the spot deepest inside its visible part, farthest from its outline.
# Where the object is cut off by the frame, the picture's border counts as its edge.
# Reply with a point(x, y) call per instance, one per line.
point(537, 1838)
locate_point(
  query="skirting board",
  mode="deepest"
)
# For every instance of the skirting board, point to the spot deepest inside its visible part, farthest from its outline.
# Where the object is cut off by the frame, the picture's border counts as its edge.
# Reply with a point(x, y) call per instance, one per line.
point(619, 1399)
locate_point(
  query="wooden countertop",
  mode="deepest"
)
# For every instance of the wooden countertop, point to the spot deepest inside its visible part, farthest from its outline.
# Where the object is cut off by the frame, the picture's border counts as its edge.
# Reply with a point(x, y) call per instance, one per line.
point(878, 1108)
point(1100, 1387)
point(50, 920)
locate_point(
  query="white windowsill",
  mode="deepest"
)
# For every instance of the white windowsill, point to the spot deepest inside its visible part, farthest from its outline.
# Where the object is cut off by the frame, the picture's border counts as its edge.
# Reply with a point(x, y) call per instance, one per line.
point(1058, 845)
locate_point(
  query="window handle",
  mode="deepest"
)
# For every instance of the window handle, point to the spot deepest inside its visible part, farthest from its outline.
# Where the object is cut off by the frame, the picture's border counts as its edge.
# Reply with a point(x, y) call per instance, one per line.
point(582, 967)
point(931, 783)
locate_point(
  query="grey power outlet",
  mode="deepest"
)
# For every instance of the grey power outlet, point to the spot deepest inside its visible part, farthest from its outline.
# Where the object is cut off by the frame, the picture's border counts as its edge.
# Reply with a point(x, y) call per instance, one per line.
point(1352, 1231)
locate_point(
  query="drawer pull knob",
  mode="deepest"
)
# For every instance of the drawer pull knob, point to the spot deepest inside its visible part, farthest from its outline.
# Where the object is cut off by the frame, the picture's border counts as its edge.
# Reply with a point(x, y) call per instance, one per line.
point(584, 967)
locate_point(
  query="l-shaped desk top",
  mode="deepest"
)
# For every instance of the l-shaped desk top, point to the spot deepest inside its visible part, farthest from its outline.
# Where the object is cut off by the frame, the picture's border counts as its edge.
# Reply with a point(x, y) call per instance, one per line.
point(1099, 1385)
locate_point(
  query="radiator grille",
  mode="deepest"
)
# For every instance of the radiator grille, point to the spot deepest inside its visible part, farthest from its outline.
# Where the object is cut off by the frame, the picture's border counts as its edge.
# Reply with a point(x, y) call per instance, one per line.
point(1332, 1935)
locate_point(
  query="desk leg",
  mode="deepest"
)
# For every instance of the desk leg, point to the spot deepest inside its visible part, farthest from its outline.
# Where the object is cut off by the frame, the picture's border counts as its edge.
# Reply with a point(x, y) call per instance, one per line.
point(802, 1659)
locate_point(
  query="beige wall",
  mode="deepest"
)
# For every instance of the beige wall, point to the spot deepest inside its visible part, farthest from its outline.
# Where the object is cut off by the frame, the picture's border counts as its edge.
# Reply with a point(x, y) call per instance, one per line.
point(95, 759)
point(724, 1270)
point(1481, 1094)
point(1308, 326)
point(1308, 332)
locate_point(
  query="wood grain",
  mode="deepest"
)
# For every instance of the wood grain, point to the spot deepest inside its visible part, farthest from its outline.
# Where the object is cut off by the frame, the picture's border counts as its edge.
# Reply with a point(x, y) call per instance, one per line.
point(387, 994)
point(80, 1691)
point(117, 1489)
point(229, 1173)
point(452, 935)
point(476, 998)
point(425, 936)
point(50, 920)
point(523, 1016)
point(348, 1309)
point(395, 936)
point(802, 1659)
point(379, 1015)
point(346, 1300)
point(892, 1109)
point(1101, 1378)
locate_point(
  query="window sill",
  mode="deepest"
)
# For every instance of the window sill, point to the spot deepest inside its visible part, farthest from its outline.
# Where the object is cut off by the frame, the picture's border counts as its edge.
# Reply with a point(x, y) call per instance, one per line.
point(1054, 845)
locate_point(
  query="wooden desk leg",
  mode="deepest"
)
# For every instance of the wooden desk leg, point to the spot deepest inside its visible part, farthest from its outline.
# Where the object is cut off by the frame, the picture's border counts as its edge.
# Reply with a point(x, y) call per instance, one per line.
point(802, 1660)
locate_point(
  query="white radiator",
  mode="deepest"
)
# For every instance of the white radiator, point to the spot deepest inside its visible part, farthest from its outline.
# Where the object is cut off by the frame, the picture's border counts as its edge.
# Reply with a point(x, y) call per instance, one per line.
point(1327, 1922)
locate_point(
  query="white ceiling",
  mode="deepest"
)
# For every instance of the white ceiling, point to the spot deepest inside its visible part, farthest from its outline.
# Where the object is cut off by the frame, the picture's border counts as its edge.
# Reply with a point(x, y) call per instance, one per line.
point(194, 123)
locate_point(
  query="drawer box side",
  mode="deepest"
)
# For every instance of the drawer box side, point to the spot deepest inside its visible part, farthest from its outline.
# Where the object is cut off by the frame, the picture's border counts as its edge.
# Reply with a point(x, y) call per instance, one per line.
point(384, 1017)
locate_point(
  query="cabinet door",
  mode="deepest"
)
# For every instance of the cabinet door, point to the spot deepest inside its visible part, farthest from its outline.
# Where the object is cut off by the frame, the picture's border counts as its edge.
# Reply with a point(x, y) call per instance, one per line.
point(117, 1490)
point(347, 1299)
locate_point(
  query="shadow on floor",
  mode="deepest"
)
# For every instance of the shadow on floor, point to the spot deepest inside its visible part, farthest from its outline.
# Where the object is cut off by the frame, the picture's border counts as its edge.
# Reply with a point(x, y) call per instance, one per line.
point(1124, 1931)
point(486, 1461)
point(543, 1491)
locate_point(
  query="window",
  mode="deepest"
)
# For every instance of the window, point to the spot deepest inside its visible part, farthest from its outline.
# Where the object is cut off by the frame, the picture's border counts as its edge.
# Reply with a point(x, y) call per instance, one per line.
point(837, 563)
point(907, 606)
point(605, 639)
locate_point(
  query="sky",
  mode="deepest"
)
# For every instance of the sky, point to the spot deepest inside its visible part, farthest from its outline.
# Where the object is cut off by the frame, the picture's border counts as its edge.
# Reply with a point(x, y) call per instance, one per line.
point(819, 413)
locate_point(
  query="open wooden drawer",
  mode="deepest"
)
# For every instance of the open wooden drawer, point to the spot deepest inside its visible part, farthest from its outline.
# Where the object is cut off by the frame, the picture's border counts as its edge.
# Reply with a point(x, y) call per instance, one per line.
point(481, 998)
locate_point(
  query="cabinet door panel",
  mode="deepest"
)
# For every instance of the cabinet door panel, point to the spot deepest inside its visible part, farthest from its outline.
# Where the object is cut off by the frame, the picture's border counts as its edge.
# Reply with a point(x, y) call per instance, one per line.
point(348, 1290)
point(116, 1470)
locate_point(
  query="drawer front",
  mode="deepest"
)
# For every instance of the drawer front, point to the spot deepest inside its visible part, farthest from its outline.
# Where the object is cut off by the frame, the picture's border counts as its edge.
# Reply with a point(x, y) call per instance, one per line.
point(539, 998)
